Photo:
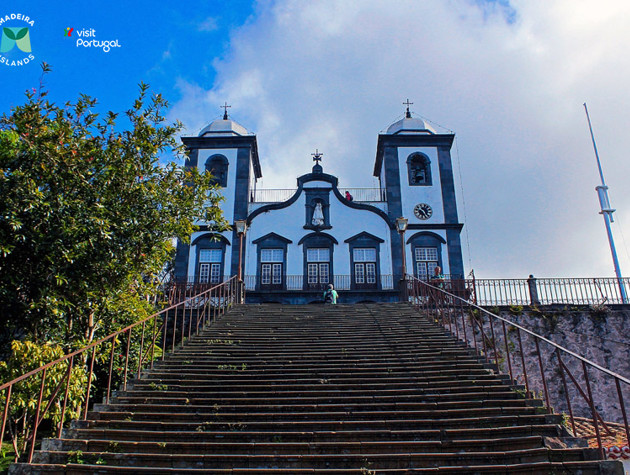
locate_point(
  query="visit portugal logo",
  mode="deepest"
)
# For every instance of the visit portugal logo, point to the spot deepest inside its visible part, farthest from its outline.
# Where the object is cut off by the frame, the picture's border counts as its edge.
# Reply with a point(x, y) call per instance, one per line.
point(15, 40)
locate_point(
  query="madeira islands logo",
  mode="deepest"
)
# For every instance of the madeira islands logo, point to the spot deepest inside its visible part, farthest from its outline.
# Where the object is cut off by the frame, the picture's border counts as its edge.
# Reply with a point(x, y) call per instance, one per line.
point(15, 40)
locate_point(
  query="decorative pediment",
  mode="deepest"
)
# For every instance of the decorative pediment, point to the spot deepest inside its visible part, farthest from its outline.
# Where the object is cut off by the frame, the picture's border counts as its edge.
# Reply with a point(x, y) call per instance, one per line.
point(211, 237)
point(272, 236)
point(365, 236)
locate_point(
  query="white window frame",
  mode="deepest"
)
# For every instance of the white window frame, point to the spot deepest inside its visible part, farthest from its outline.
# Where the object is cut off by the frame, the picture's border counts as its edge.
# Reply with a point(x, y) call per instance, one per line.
point(364, 254)
point(427, 259)
point(318, 265)
point(209, 272)
point(210, 255)
point(272, 255)
point(318, 254)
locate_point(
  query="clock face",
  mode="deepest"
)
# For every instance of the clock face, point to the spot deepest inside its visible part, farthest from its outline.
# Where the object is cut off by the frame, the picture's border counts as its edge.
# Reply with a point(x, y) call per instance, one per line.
point(422, 211)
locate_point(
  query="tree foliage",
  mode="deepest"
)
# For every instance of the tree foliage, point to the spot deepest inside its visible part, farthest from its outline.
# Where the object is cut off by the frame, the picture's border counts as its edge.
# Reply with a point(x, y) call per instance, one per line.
point(27, 356)
point(88, 214)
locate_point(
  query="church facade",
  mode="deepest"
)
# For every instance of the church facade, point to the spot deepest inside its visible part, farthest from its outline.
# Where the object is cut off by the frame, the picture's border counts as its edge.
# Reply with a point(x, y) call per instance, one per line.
point(298, 240)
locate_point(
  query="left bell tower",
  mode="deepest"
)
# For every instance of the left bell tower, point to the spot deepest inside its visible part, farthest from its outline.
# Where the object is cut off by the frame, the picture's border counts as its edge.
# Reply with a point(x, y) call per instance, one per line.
point(229, 152)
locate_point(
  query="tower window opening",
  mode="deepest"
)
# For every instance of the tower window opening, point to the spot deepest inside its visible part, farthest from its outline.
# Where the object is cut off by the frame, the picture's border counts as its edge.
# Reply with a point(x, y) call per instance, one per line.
point(419, 169)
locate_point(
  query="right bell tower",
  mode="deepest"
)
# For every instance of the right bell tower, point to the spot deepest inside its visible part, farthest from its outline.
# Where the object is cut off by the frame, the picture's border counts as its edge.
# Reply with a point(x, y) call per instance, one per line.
point(414, 167)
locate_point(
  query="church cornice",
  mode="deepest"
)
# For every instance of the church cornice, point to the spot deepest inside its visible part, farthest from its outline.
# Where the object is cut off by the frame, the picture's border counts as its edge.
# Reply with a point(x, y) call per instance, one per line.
point(333, 180)
point(201, 143)
point(456, 226)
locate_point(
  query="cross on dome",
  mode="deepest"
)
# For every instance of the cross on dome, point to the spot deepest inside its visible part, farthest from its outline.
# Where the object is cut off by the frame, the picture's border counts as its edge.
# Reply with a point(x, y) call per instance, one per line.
point(408, 113)
point(225, 114)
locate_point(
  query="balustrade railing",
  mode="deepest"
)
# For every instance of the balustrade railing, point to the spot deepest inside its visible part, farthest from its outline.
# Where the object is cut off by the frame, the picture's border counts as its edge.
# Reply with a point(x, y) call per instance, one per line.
point(278, 195)
point(484, 292)
point(116, 359)
point(365, 195)
point(271, 195)
point(562, 378)
point(301, 283)
point(542, 291)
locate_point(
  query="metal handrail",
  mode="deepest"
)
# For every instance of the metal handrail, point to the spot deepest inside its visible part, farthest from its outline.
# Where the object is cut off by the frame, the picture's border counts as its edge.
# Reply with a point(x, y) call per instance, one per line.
point(451, 309)
point(204, 307)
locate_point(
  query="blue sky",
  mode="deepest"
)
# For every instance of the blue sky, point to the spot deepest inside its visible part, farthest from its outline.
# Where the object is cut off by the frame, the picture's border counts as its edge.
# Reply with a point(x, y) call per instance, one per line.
point(161, 42)
point(507, 76)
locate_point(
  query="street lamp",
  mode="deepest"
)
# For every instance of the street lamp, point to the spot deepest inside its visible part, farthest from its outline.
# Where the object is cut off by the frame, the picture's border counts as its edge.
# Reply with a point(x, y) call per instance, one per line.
point(241, 229)
point(401, 227)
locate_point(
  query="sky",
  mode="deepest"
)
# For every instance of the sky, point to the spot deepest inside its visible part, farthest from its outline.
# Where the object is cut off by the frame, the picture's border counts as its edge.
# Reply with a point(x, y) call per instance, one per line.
point(507, 77)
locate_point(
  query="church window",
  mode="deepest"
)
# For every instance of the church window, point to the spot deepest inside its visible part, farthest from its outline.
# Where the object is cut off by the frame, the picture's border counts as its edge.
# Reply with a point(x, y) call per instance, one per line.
point(364, 265)
point(217, 165)
point(271, 266)
point(210, 265)
point(364, 260)
point(426, 260)
point(419, 170)
point(318, 265)
point(272, 259)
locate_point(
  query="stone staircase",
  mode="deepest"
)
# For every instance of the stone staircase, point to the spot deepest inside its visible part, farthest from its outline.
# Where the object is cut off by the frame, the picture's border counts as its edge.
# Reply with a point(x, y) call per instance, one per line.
point(366, 388)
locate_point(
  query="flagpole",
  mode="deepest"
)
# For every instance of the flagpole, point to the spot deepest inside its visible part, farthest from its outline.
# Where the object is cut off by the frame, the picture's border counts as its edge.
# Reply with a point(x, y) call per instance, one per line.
point(607, 213)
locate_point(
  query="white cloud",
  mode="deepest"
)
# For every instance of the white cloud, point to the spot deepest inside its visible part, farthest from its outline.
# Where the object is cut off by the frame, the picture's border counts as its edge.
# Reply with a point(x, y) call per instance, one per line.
point(209, 24)
point(332, 74)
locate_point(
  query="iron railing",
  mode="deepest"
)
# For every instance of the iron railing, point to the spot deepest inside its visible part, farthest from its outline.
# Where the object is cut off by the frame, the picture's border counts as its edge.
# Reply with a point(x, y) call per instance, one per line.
point(484, 292)
point(562, 378)
point(366, 195)
point(271, 195)
point(188, 310)
point(548, 291)
point(301, 283)
point(278, 195)
point(541, 291)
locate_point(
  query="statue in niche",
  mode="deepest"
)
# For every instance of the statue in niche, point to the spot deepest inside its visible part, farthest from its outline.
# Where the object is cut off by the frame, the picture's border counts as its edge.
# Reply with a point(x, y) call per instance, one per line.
point(318, 215)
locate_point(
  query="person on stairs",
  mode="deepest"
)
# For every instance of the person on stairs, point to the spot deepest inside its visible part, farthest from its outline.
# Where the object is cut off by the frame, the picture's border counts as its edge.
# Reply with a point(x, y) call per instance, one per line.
point(330, 295)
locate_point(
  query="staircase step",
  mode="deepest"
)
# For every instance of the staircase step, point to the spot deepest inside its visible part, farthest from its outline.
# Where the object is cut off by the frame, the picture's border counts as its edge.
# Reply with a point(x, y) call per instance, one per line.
point(386, 460)
point(350, 389)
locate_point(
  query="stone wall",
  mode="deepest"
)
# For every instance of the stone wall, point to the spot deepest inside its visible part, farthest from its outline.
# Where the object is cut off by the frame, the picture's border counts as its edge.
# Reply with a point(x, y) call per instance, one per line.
point(600, 334)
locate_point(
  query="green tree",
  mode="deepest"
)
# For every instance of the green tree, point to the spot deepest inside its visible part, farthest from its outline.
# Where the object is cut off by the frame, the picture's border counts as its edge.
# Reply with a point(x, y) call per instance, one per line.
point(88, 215)
point(27, 356)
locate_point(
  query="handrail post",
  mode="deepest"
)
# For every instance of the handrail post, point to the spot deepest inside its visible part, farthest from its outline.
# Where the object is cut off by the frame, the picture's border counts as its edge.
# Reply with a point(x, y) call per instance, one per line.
point(507, 351)
point(623, 410)
point(566, 392)
point(593, 412)
point(127, 359)
point(5, 413)
point(542, 377)
point(494, 344)
point(520, 346)
point(141, 349)
point(36, 423)
point(153, 340)
point(89, 386)
point(111, 369)
point(65, 398)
